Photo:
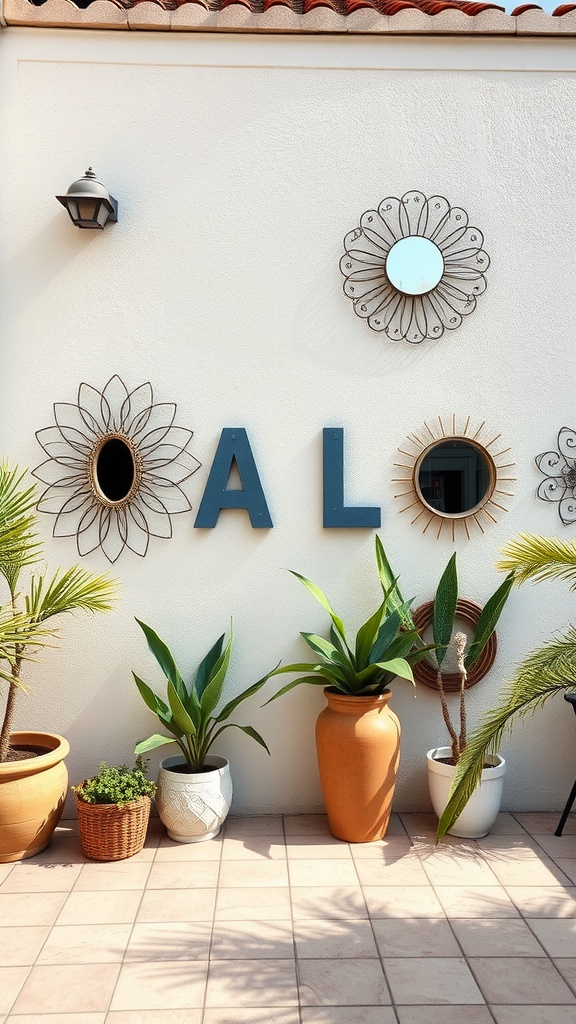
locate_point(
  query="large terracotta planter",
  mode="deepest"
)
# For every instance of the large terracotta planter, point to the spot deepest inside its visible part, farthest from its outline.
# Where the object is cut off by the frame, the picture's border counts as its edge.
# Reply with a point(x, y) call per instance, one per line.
point(32, 795)
point(358, 745)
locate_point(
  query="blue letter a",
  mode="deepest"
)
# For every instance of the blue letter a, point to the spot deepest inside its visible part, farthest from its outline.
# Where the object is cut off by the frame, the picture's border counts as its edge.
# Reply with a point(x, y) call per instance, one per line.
point(233, 446)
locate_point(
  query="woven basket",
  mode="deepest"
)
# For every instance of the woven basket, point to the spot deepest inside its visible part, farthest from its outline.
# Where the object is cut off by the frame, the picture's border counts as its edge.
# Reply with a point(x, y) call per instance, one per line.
point(108, 832)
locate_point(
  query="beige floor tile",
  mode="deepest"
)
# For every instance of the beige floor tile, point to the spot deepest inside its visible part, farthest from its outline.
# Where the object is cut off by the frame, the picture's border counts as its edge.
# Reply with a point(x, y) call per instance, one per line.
point(395, 827)
point(386, 850)
point(543, 901)
point(183, 875)
point(160, 985)
point(62, 1018)
point(177, 905)
point(348, 1015)
point(253, 873)
point(187, 1016)
point(328, 902)
point(169, 850)
point(568, 866)
point(19, 946)
point(273, 904)
point(539, 823)
point(28, 877)
point(557, 846)
point(415, 937)
point(115, 907)
point(252, 940)
point(567, 968)
point(62, 851)
point(121, 874)
point(253, 848)
point(11, 982)
point(306, 825)
point(64, 989)
point(403, 871)
point(497, 938)
point(520, 980)
point(420, 826)
point(444, 1015)
point(253, 1015)
point(557, 937)
point(26, 909)
point(449, 867)
point(244, 983)
point(510, 847)
point(173, 940)
point(435, 980)
point(402, 901)
point(322, 872)
point(317, 847)
point(507, 824)
point(342, 983)
point(332, 939)
point(531, 869)
point(5, 870)
point(533, 1014)
point(262, 825)
point(484, 901)
point(85, 944)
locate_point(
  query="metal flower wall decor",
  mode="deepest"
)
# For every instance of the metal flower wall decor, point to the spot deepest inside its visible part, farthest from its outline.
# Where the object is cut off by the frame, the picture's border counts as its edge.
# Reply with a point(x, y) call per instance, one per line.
point(114, 468)
point(414, 267)
point(559, 469)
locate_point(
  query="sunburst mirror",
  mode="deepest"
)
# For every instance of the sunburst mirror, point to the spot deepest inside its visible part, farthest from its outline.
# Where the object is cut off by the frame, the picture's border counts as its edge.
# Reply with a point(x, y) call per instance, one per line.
point(454, 478)
point(115, 464)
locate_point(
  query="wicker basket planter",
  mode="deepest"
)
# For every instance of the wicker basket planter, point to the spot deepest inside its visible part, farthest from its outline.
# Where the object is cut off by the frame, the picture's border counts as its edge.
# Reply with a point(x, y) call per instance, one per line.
point(108, 832)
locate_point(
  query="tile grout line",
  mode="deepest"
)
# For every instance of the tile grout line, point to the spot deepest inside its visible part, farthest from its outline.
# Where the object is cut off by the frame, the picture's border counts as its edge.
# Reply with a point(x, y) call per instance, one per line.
point(216, 894)
point(292, 922)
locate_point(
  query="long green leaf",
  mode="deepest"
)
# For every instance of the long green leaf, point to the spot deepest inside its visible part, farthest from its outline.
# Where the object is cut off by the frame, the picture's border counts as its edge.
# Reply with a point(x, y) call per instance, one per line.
point(152, 742)
point(249, 732)
point(367, 634)
point(204, 670)
point(241, 697)
point(445, 608)
point(488, 620)
point(323, 600)
point(389, 583)
point(397, 667)
point(164, 658)
point(311, 680)
point(181, 716)
point(387, 634)
point(215, 684)
point(329, 653)
point(160, 709)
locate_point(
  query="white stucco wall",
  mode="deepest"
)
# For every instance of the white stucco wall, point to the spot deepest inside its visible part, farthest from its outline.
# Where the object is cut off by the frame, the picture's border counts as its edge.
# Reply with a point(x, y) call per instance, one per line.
point(239, 164)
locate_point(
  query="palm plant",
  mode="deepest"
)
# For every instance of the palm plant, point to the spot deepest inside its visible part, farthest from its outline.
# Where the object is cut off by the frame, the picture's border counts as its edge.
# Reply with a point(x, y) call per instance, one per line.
point(386, 645)
point(22, 620)
point(546, 670)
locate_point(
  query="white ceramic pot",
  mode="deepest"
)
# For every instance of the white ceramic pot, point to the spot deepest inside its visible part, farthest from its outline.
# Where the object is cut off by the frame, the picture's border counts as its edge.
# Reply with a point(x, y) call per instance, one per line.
point(480, 812)
point(193, 805)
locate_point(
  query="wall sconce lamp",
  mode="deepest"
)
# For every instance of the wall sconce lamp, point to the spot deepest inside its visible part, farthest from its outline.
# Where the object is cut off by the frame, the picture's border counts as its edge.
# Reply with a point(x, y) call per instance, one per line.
point(89, 203)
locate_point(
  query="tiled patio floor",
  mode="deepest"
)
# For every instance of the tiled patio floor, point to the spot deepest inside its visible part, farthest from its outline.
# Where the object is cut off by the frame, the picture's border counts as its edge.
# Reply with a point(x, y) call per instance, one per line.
point(275, 922)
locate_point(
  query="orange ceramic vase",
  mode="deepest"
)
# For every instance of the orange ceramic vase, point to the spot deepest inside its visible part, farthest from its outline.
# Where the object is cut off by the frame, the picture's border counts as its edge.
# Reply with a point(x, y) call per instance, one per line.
point(32, 795)
point(358, 745)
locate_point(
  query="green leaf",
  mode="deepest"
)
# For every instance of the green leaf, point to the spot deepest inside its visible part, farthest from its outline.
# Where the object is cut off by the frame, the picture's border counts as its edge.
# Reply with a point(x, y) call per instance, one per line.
point(241, 697)
point(311, 680)
point(323, 600)
point(326, 650)
point(367, 634)
point(488, 619)
point(213, 690)
point(445, 608)
point(531, 557)
point(387, 633)
point(249, 732)
point(181, 716)
point(165, 660)
point(389, 583)
point(152, 742)
point(397, 666)
point(202, 676)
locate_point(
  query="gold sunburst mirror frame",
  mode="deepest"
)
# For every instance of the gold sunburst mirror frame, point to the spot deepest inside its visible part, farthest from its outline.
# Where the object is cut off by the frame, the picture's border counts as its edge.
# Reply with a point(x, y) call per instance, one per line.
point(454, 477)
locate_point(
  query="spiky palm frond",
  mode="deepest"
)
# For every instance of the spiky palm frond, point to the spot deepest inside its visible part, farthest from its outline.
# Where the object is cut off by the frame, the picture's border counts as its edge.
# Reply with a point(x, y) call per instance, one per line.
point(532, 557)
point(68, 591)
point(19, 545)
point(544, 672)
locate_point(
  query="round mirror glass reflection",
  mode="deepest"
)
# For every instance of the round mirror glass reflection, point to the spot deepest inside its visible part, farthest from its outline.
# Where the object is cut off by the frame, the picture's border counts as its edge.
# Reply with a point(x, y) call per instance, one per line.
point(454, 477)
point(414, 265)
point(114, 470)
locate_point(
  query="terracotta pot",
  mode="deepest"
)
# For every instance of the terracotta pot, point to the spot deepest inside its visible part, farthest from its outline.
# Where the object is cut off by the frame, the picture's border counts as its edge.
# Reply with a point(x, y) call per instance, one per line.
point(358, 746)
point(32, 795)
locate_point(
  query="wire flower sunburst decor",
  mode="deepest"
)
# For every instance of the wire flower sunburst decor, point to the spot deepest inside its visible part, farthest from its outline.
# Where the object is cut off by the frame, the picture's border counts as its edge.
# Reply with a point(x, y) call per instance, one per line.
point(454, 478)
point(559, 469)
point(414, 267)
point(115, 464)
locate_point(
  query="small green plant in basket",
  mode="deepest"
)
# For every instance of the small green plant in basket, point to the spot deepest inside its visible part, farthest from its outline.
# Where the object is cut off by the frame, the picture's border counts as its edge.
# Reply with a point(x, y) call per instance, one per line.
point(113, 810)
point(117, 784)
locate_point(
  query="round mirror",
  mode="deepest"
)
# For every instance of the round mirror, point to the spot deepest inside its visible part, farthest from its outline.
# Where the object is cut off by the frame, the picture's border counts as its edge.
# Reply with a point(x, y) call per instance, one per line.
point(414, 265)
point(114, 470)
point(454, 477)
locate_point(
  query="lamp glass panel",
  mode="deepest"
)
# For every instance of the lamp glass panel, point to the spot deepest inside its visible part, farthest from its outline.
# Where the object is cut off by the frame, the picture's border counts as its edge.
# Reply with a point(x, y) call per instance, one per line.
point(87, 209)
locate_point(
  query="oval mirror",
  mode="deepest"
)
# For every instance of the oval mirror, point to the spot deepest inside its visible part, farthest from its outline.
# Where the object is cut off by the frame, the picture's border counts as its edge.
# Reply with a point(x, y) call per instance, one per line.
point(114, 470)
point(414, 265)
point(454, 477)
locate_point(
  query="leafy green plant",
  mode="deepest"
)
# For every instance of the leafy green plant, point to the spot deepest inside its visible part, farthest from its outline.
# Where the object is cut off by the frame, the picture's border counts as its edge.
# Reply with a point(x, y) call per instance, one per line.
point(545, 671)
point(443, 619)
point(385, 646)
point(22, 619)
point(117, 784)
point(190, 716)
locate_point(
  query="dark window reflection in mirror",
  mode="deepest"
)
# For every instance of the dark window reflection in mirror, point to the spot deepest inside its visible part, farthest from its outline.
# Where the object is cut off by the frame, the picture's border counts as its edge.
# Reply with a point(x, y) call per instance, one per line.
point(454, 477)
point(114, 470)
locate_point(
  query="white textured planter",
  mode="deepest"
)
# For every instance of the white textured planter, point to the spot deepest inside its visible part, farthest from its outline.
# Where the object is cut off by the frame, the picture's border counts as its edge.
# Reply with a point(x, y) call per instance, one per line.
point(483, 806)
point(193, 806)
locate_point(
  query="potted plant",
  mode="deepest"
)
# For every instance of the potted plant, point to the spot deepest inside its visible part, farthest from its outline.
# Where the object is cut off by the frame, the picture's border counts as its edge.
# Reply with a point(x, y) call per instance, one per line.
point(113, 810)
point(357, 734)
point(479, 814)
point(33, 777)
point(195, 787)
point(545, 671)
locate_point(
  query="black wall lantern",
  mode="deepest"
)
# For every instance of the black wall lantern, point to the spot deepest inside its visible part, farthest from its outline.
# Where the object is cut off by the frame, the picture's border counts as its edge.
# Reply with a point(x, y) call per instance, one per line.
point(89, 203)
